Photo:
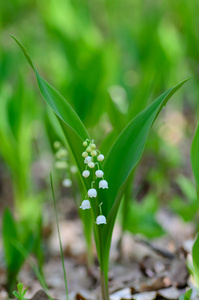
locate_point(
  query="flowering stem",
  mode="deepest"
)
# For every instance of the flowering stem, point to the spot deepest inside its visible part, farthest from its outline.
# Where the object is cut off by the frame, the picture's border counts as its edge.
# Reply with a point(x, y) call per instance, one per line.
point(100, 208)
point(104, 286)
point(97, 165)
point(103, 280)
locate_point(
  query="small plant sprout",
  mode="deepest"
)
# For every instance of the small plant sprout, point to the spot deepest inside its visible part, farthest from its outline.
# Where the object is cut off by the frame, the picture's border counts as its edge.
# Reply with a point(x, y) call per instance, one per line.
point(21, 293)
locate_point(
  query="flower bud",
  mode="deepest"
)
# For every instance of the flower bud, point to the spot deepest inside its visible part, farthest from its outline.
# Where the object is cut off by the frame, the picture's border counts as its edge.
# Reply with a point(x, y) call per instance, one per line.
point(61, 165)
point(85, 143)
point(92, 193)
point(86, 173)
point(85, 204)
point(100, 220)
point(91, 164)
point(84, 154)
point(99, 173)
point(103, 184)
point(57, 144)
point(73, 169)
point(67, 182)
point(93, 146)
point(93, 153)
point(88, 149)
point(100, 157)
point(61, 153)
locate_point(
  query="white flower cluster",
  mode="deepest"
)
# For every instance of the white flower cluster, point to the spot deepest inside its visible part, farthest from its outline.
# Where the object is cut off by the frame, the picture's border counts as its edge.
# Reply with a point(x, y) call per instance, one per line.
point(92, 157)
point(63, 164)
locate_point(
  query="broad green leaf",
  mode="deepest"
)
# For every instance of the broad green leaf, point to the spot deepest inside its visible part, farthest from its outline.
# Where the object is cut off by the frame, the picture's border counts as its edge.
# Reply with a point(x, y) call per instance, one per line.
point(121, 160)
point(74, 130)
point(127, 149)
point(58, 104)
point(71, 124)
point(194, 157)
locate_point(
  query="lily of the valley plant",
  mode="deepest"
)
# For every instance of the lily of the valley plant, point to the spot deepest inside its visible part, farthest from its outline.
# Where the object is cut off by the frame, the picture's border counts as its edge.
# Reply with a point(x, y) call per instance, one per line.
point(103, 176)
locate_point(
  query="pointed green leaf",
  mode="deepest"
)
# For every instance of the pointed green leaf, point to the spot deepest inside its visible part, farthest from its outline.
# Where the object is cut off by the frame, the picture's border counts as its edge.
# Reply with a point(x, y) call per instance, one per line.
point(55, 100)
point(127, 149)
point(71, 124)
point(121, 160)
point(16, 294)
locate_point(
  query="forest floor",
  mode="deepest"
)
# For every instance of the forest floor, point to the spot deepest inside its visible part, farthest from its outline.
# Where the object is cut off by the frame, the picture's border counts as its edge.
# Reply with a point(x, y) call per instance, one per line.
point(141, 269)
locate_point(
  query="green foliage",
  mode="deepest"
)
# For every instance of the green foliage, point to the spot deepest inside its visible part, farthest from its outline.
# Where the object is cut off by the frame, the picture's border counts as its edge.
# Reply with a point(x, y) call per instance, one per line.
point(21, 293)
point(140, 217)
point(186, 296)
point(14, 259)
point(194, 157)
point(186, 205)
point(120, 161)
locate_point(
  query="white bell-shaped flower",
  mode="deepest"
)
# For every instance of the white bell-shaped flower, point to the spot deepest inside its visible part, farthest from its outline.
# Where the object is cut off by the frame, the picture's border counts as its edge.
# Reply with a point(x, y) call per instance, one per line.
point(67, 182)
point(91, 164)
point(100, 157)
point(85, 173)
point(100, 220)
point(85, 204)
point(92, 193)
point(103, 184)
point(87, 159)
point(99, 173)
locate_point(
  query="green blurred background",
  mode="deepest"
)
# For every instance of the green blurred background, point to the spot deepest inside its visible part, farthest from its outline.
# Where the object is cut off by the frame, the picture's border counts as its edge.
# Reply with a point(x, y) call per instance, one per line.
point(109, 59)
